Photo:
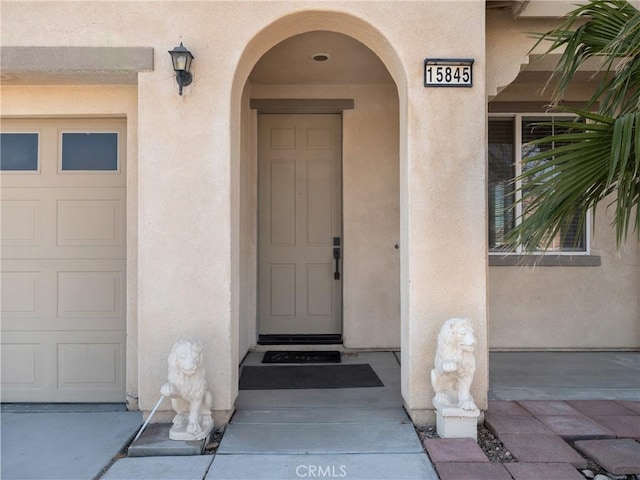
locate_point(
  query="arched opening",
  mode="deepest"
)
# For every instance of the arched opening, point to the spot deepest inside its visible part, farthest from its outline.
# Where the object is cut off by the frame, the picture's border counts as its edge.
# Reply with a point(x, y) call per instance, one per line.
point(314, 61)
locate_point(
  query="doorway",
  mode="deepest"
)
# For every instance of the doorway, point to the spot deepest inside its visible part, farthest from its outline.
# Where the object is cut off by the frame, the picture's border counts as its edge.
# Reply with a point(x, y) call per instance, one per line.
point(299, 227)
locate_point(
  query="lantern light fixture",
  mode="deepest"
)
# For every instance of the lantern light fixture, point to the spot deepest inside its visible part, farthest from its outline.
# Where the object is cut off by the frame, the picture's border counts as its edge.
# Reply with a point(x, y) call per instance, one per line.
point(181, 59)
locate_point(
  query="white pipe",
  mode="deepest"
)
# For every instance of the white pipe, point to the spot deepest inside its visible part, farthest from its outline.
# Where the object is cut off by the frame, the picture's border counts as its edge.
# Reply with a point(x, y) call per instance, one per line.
point(144, 425)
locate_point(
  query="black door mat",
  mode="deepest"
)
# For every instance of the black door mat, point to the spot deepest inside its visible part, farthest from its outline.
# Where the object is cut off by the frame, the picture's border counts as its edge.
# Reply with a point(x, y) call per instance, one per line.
point(272, 356)
point(308, 376)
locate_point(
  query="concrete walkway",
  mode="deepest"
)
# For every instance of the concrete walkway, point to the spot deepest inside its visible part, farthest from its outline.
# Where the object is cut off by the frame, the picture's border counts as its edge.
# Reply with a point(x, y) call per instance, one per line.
point(363, 433)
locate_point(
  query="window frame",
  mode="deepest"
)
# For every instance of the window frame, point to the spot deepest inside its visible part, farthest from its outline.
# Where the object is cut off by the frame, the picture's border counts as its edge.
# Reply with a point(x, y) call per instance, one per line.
point(38, 169)
point(116, 131)
point(519, 252)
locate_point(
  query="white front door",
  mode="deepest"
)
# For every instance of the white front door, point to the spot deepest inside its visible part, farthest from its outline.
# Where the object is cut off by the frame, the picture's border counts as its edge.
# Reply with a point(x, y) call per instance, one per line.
point(300, 225)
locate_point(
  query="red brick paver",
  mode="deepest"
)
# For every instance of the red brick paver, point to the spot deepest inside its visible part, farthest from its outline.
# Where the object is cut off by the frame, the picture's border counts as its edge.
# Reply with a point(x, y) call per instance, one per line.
point(548, 407)
point(500, 424)
point(631, 405)
point(472, 471)
point(621, 426)
point(546, 471)
point(506, 408)
point(618, 456)
point(600, 407)
point(542, 449)
point(575, 427)
point(443, 450)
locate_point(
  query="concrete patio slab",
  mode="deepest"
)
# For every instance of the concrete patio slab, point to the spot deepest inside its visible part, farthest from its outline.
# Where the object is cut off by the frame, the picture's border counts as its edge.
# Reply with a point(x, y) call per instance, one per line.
point(618, 456)
point(320, 439)
point(160, 468)
point(575, 427)
point(548, 471)
point(294, 467)
point(511, 424)
point(548, 407)
point(621, 426)
point(564, 375)
point(600, 407)
point(472, 471)
point(507, 408)
point(155, 442)
point(542, 449)
point(321, 415)
point(63, 445)
point(454, 450)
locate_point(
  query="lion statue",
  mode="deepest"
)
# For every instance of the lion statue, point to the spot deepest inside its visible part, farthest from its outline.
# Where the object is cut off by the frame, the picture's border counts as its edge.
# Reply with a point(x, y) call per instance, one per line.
point(455, 365)
point(187, 389)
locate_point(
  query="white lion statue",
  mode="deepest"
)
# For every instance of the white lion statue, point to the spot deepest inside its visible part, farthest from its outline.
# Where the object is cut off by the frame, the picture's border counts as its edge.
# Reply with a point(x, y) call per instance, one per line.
point(187, 389)
point(455, 365)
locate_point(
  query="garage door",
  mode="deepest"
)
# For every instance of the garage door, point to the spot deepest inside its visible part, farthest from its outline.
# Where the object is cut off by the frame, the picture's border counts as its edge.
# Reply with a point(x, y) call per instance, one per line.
point(63, 260)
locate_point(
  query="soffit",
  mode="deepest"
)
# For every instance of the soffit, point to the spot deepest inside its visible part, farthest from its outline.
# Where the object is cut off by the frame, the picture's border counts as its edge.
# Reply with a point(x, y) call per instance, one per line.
point(290, 62)
point(74, 65)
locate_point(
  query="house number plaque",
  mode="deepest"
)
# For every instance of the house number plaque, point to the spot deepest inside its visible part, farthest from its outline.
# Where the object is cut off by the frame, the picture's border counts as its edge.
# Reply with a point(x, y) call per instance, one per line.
point(448, 72)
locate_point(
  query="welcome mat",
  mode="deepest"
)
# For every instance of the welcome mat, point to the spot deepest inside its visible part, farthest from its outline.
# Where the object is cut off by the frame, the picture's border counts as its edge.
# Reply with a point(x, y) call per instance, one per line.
point(308, 376)
point(272, 356)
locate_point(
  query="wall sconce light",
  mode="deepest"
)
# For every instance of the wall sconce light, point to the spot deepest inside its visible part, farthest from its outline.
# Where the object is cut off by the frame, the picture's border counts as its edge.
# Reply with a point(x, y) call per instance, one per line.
point(181, 58)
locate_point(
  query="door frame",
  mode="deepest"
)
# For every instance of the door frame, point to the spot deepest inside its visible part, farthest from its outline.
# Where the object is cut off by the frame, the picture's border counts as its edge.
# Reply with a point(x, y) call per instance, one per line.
point(299, 107)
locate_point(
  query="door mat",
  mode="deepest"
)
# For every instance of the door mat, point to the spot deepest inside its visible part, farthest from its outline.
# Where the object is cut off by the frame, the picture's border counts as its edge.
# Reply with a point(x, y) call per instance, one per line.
point(308, 376)
point(273, 356)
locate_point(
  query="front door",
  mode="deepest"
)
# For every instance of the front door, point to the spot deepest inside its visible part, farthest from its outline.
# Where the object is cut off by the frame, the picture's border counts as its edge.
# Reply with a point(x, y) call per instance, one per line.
point(300, 225)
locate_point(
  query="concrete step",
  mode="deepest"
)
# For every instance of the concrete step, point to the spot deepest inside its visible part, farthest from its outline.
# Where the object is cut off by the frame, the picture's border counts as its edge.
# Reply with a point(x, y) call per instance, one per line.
point(320, 439)
point(320, 415)
point(155, 442)
point(404, 466)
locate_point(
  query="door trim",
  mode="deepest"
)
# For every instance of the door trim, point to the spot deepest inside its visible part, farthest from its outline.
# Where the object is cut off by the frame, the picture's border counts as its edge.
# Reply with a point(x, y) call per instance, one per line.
point(301, 105)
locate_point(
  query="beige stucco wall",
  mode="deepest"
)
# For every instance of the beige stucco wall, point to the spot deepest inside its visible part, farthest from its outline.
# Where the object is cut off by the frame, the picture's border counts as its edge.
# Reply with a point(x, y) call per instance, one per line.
point(566, 308)
point(189, 166)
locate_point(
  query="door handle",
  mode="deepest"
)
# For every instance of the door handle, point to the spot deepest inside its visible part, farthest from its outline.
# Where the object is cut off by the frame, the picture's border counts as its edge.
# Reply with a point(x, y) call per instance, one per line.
point(336, 258)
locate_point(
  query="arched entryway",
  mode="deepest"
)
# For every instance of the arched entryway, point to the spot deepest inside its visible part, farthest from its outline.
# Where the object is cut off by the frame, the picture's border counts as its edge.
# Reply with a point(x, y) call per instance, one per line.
point(358, 84)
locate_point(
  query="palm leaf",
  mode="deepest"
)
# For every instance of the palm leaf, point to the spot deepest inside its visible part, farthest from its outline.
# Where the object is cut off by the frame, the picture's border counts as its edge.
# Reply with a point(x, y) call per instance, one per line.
point(599, 154)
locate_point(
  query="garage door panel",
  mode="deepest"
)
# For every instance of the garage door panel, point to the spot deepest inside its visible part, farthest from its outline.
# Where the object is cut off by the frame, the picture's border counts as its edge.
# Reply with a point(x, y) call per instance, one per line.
point(77, 366)
point(63, 295)
point(21, 222)
point(90, 223)
point(89, 295)
point(21, 366)
point(64, 223)
point(85, 365)
point(20, 294)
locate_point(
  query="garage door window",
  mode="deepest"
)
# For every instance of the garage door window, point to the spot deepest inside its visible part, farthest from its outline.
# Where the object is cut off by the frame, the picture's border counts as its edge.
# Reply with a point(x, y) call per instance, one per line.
point(90, 152)
point(19, 152)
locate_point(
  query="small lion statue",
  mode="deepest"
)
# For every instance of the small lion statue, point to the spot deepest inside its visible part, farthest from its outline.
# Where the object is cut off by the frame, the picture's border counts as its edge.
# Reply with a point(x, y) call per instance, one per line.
point(187, 389)
point(455, 365)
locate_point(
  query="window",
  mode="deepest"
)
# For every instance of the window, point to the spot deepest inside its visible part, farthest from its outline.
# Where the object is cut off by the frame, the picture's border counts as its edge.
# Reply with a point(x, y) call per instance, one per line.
point(89, 151)
point(19, 151)
point(507, 147)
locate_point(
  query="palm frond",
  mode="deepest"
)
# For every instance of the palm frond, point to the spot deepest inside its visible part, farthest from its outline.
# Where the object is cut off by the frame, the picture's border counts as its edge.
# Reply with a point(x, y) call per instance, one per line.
point(598, 154)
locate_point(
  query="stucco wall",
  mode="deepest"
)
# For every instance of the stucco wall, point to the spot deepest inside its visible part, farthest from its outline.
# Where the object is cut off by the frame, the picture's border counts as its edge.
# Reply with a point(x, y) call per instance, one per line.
point(569, 307)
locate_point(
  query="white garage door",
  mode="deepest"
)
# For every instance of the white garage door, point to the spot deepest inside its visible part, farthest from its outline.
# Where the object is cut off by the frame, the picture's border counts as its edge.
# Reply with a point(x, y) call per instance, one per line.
point(63, 260)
